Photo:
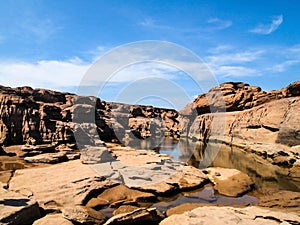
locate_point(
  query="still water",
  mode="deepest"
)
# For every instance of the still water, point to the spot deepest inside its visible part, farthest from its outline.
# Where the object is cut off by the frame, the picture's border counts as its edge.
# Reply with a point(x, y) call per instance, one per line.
point(264, 174)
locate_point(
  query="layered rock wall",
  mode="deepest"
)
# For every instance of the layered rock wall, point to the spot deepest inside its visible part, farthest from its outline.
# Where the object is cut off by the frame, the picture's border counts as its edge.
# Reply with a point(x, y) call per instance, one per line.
point(48, 116)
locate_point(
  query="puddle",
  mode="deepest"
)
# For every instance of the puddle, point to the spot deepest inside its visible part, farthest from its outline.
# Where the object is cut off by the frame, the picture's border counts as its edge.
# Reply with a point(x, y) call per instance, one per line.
point(206, 196)
point(11, 165)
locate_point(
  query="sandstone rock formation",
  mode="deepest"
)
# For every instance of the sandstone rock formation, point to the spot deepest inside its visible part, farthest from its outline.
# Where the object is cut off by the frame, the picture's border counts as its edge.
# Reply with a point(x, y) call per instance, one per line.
point(136, 217)
point(46, 116)
point(17, 209)
point(61, 185)
point(263, 123)
point(228, 215)
point(229, 182)
point(52, 219)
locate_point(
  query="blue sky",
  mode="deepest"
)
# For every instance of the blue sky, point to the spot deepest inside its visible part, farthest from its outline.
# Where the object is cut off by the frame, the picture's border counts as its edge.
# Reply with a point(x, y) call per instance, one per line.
point(51, 44)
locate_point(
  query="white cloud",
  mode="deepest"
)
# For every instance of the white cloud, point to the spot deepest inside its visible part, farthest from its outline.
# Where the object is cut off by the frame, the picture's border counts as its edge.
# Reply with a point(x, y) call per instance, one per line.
point(235, 57)
point(45, 74)
point(234, 71)
point(40, 29)
point(149, 22)
point(268, 28)
point(219, 24)
point(284, 66)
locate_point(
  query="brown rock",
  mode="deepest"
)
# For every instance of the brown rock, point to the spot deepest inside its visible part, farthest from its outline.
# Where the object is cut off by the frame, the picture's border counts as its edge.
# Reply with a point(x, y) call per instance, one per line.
point(123, 195)
point(60, 185)
point(229, 182)
point(136, 217)
point(125, 209)
point(287, 200)
point(17, 209)
point(183, 208)
point(208, 215)
point(83, 215)
point(50, 158)
point(52, 219)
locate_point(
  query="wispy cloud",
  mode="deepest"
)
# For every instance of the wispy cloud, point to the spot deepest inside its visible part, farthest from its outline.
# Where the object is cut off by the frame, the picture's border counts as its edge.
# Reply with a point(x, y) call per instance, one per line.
point(219, 24)
point(149, 22)
point(268, 28)
point(235, 57)
point(281, 67)
point(2, 38)
point(40, 29)
point(234, 71)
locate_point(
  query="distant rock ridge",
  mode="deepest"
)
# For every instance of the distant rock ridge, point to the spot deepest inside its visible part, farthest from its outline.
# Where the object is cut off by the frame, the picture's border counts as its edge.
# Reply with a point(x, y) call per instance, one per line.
point(238, 96)
point(47, 117)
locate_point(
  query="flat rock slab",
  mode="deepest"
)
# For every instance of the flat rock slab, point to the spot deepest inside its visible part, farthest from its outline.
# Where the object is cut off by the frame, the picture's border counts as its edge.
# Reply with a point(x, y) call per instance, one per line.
point(17, 209)
point(208, 215)
point(50, 158)
point(59, 185)
point(55, 219)
point(229, 182)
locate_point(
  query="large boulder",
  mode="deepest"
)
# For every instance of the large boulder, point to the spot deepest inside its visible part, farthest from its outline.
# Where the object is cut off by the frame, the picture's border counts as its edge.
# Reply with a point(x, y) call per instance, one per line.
point(229, 182)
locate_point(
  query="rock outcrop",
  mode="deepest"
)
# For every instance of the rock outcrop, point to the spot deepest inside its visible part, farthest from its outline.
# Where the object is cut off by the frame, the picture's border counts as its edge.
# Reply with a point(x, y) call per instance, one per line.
point(264, 123)
point(44, 116)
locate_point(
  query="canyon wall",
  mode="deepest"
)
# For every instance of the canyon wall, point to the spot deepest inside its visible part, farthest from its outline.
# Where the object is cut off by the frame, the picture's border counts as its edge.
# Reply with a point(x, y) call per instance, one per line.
point(45, 116)
point(249, 115)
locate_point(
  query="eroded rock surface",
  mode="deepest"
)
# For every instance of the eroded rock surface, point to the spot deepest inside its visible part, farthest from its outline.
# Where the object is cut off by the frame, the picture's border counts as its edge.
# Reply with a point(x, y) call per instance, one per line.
point(52, 219)
point(17, 209)
point(229, 215)
point(60, 185)
point(229, 182)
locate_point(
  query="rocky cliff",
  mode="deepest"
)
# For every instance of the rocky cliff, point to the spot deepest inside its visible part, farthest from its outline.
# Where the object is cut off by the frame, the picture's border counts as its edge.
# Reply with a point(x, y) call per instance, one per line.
point(47, 116)
point(249, 114)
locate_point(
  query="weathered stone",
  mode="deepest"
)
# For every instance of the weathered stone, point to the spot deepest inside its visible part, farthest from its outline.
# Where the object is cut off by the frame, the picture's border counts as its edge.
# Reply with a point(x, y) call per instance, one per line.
point(83, 215)
point(123, 195)
point(17, 209)
point(51, 158)
point(52, 219)
point(228, 215)
point(188, 178)
point(97, 203)
point(287, 200)
point(136, 217)
point(183, 208)
point(125, 209)
point(56, 186)
point(94, 155)
point(229, 182)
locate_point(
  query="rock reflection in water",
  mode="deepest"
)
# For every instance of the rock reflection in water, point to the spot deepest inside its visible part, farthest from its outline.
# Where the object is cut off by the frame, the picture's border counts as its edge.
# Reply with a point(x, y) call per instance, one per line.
point(264, 174)
point(206, 196)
